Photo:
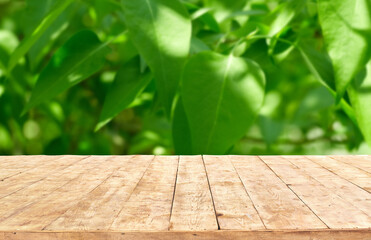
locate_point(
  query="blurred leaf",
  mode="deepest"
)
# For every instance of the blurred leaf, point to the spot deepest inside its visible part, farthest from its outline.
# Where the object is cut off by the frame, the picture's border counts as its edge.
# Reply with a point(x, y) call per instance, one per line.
point(8, 42)
point(126, 48)
point(270, 129)
point(198, 45)
point(360, 97)
point(221, 97)
point(104, 7)
point(161, 30)
point(347, 48)
point(128, 84)
point(81, 56)
point(34, 14)
point(320, 66)
point(5, 139)
point(285, 13)
point(205, 15)
point(181, 133)
point(246, 13)
point(29, 41)
point(223, 8)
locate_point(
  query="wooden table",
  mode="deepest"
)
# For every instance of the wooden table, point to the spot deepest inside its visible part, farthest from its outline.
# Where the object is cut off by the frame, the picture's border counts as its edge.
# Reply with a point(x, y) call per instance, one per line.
point(186, 197)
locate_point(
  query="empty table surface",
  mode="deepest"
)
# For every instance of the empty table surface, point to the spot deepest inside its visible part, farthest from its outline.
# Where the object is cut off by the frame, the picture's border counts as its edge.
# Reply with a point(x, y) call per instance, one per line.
point(185, 197)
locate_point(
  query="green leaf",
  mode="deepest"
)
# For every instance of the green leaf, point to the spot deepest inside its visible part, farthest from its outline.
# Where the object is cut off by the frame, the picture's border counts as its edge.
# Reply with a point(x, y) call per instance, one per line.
point(128, 84)
point(360, 97)
point(223, 8)
point(180, 130)
point(321, 67)
point(80, 57)
point(347, 48)
point(285, 13)
point(197, 45)
point(222, 96)
point(8, 42)
point(161, 31)
point(319, 64)
point(35, 12)
point(271, 129)
point(29, 41)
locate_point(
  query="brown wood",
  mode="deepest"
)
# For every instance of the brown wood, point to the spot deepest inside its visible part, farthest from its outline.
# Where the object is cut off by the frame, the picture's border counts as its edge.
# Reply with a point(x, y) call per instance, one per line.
point(233, 206)
point(277, 205)
point(351, 173)
point(338, 234)
point(149, 205)
point(185, 197)
point(335, 211)
point(192, 205)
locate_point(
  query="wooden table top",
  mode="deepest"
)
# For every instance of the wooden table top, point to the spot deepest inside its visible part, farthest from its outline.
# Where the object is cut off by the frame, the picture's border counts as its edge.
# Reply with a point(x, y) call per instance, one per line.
point(185, 197)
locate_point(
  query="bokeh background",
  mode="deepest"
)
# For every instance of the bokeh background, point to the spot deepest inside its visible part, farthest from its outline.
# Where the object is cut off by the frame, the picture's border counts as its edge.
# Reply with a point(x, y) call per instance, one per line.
point(299, 115)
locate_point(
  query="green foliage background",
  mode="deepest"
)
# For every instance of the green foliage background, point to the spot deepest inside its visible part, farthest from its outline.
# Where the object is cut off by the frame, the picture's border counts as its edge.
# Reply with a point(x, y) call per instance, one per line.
point(185, 77)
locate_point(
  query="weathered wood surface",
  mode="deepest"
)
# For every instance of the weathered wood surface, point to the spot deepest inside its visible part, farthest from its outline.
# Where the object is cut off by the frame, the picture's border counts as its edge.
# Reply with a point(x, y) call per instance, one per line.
point(185, 197)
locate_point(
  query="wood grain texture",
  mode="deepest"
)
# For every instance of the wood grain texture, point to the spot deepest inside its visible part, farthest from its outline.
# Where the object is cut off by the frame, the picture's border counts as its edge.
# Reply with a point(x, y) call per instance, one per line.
point(340, 234)
point(192, 205)
point(149, 205)
point(361, 162)
point(17, 201)
point(233, 205)
point(25, 178)
point(278, 206)
point(185, 197)
point(355, 195)
point(353, 174)
point(97, 210)
point(38, 215)
point(10, 165)
point(335, 211)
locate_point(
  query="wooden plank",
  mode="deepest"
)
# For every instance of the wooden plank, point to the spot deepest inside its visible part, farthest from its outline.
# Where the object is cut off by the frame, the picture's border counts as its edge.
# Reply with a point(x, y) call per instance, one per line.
point(233, 205)
point(339, 186)
point(19, 200)
point(339, 234)
point(12, 166)
point(24, 179)
point(346, 171)
point(133, 197)
point(38, 215)
point(361, 162)
point(149, 206)
point(328, 206)
point(97, 210)
point(192, 205)
point(277, 205)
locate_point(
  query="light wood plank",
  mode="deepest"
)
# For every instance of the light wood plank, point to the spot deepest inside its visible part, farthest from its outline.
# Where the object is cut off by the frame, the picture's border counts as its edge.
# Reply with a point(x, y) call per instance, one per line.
point(361, 162)
point(277, 205)
point(192, 205)
point(338, 234)
point(38, 215)
point(149, 206)
point(12, 166)
point(339, 186)
point(108, 197)
point(19, 200)
point(233, 206)
point(328, 206)
point(346, 171)
point(97, 210)
point(24, 179)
